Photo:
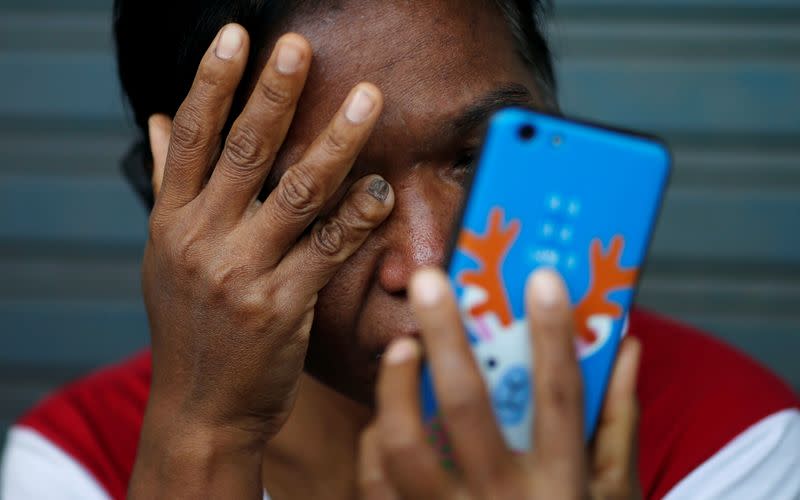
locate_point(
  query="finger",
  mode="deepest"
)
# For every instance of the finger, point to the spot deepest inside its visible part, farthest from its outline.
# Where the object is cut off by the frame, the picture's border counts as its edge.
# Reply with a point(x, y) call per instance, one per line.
point(614, 464)
point(158, 128)
point(259, 131)
point(558, 424)
point(200, 119)
point(306, 187)
point(461, 394)
point(333, 240)
point(372, 481)
point(409, 460)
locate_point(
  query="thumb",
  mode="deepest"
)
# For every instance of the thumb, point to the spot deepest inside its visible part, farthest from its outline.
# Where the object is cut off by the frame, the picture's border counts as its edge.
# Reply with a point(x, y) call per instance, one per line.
point(159, 131)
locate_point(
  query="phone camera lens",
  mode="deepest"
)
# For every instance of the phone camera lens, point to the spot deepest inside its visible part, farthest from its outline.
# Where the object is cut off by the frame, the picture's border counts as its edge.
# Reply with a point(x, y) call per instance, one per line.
point(526, 132)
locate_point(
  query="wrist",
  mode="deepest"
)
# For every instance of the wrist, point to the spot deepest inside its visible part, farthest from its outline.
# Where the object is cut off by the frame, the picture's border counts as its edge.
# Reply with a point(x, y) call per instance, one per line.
point(171, 421)
point(203, 414)
point(180, 454)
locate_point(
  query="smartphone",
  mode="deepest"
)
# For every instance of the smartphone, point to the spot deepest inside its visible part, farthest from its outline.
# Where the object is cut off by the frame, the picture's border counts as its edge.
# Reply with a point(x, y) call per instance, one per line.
point(576, 197)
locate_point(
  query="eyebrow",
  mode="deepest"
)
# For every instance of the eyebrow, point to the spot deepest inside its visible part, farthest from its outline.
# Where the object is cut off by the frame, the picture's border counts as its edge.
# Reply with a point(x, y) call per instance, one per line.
point(477, 114)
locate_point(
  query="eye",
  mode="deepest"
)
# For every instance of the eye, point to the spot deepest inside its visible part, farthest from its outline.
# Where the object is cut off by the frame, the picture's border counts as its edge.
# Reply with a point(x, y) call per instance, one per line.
point(465, 160)
point(491, 363)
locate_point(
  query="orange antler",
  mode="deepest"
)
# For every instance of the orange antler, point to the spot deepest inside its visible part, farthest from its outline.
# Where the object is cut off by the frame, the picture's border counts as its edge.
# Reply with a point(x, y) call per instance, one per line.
point(489, 250)
point(606, 276)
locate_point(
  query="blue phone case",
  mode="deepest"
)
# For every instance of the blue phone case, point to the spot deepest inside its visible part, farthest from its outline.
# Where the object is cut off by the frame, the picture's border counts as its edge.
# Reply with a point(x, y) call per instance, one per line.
point(579, 198)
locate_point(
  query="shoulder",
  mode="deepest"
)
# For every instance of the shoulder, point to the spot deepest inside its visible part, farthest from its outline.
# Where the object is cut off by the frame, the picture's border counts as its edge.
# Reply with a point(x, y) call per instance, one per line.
point(708, 412)
point(702, 401)
point(93, 423)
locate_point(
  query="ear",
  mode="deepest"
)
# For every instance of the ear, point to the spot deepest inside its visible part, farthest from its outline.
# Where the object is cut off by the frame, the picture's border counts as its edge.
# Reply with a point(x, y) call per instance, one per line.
point(159, 130)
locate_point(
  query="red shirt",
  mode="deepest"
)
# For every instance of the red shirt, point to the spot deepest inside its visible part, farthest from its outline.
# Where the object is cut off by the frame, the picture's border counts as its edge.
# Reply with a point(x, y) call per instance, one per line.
point(696, 395)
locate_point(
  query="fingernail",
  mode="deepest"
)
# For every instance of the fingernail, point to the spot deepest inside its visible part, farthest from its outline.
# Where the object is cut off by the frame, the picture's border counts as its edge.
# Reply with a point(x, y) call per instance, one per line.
point(547, 288)
point(230, 41)
point(289, 58)
point(401, 350)
point(427, 288)
point(360, 107)
point(379, 189)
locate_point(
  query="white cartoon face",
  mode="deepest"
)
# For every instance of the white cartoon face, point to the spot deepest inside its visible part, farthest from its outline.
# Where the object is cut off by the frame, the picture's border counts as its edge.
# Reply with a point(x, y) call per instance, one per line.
point(505, 363)
point(505, 358)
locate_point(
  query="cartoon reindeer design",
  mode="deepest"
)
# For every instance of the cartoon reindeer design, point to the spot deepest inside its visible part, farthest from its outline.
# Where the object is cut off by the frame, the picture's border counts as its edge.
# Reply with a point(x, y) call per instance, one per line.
point(502, 347)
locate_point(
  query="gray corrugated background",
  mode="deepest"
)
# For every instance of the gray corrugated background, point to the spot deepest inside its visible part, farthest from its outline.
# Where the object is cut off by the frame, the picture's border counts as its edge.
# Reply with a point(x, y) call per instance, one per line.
point(719, 79)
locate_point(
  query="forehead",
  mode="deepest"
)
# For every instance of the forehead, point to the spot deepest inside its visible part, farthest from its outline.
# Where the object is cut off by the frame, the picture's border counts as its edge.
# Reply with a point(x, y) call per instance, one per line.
point(429, 58)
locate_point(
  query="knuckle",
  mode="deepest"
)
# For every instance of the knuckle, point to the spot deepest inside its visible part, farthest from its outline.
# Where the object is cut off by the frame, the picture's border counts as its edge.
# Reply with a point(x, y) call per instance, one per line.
point(275, 95)
point(187, 253)
point(401, 442)
point(335, 143)
point(561, 395)
point(298, 192)
point(210, 77)
point(291, 301)
point(364, 212)
point(187, 128)
point(275, 292)
point(224, 282)
point(243, 150)
point(252, 306)
point(329, 239)
point(461, 404)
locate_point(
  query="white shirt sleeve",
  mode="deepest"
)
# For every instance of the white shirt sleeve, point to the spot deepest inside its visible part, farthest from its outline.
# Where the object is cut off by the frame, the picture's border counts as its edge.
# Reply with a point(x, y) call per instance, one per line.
point(33, 467)
point(763, 462)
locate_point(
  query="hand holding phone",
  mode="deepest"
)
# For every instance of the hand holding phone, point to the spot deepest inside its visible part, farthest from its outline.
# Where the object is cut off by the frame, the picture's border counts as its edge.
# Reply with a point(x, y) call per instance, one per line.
point(399, 461)
point(550, 192)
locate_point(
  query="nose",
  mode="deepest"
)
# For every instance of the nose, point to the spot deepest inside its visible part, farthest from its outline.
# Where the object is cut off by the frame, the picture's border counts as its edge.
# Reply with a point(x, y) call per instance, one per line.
point(417, 232)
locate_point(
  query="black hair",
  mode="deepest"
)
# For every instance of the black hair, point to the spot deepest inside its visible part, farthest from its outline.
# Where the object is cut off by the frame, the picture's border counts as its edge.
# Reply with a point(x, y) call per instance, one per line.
point(159, 47)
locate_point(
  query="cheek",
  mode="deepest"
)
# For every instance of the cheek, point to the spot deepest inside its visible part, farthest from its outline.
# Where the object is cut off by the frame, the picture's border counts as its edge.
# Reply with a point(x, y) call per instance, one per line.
point(339, 303)
point(415, 235)
point(427, 217)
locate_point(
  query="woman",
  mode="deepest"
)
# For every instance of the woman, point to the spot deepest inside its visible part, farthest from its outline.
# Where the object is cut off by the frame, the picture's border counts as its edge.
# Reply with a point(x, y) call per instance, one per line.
point(291, 281)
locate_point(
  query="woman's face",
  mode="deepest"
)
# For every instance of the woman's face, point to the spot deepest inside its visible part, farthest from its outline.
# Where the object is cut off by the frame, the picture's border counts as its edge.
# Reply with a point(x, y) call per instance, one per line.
point(443, 67)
